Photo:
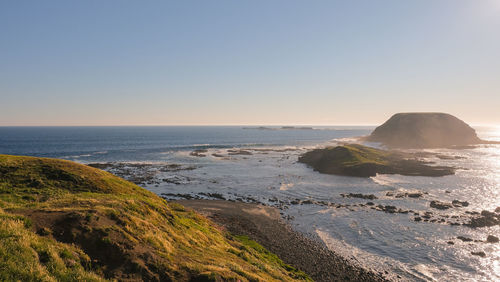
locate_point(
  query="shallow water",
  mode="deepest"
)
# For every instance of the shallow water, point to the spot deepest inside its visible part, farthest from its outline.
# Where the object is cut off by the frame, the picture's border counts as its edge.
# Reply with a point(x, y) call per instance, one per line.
point(387, 241)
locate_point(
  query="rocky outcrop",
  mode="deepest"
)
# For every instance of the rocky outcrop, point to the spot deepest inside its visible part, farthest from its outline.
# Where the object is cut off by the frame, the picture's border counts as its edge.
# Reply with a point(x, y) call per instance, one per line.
point(424, 130)
point(485, 219)
point(440, 205)
point(199, 153)
point(363, 161)
point(492, 239)
point(359, 195)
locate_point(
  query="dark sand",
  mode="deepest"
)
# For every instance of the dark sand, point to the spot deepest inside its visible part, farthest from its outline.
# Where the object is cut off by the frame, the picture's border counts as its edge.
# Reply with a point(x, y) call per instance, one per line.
point(264, 225)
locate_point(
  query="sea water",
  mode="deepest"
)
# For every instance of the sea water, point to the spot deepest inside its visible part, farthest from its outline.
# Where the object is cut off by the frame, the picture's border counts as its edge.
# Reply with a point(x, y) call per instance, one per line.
point(270, 174)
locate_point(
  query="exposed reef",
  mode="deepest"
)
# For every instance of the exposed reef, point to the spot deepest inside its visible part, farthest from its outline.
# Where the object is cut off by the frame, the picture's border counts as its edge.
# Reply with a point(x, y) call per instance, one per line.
point(458, 217)
point(146, 173)
point(363, 161)
point(199, 153)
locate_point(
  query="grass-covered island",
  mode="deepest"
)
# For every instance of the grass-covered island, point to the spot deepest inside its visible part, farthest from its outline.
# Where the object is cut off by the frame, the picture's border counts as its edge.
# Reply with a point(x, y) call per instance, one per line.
point(363, 161)
point(62, 221)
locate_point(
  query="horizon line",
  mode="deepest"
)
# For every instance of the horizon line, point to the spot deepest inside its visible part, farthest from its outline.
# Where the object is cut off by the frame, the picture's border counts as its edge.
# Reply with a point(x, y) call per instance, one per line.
point(211, 125)
point(176, 125)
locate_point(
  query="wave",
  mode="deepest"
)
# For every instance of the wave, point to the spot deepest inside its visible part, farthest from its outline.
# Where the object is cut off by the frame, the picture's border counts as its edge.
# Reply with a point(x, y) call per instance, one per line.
point(384, 180)
point(192, 147)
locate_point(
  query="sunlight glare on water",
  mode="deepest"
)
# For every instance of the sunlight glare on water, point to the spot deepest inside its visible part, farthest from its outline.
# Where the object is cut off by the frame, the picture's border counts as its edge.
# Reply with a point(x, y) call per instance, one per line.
point(491, 165)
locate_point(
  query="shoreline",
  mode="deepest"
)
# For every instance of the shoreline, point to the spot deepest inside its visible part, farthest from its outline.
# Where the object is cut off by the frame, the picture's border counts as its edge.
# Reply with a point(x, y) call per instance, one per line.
point(264, 225)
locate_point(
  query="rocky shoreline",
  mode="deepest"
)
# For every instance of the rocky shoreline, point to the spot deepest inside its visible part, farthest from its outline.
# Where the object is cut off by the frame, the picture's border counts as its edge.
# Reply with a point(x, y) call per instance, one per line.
point(264, 225)
point(436, 213)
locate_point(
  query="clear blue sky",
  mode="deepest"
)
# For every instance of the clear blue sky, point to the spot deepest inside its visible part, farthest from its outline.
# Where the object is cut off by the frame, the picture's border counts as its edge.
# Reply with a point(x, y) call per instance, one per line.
point(247, 62)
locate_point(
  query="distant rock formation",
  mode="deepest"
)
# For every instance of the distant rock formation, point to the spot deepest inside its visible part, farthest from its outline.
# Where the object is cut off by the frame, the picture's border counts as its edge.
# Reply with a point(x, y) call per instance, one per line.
point(281, 128)
point(424, 130)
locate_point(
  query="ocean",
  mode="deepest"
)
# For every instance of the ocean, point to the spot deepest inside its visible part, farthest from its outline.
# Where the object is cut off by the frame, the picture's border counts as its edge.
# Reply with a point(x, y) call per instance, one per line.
point(260, 165)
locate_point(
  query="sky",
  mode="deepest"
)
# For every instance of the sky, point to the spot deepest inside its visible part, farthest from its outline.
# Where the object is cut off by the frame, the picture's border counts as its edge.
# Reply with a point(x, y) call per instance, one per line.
point(259, 62)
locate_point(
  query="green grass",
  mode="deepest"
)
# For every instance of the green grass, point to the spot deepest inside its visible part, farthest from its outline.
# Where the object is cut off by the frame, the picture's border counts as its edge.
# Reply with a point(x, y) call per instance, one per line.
point(355, 154)
point(62, 221)
point(264, 253)
point(349, 159)
point(363, 161)
point(25, 256)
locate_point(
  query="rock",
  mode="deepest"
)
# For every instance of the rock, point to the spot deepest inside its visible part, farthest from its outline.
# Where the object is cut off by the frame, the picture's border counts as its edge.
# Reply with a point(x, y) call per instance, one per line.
point(492, 239)
point(415, 195)
point(424, 130)
point(487, 213)
point(465, 239)
point(426, 216)
point(480, 253)
point(213, 195)
point(405, 194)
point(472, 212)
point(451, 243)
point(440, 205)
point(389, 209)
point(185, 196)
point(497, 210)
point(457, 203)
point(361, 196)
point(239, 152)
point(446, 157)
point(198, 153)
point(486, 219)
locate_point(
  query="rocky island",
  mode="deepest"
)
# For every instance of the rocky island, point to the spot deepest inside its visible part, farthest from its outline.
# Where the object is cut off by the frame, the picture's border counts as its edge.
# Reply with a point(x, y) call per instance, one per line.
point(424, 130)
point(363, 161)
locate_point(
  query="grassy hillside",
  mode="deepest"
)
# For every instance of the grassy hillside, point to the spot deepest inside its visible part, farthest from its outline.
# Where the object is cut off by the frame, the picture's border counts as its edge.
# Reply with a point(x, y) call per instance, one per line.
point(363, 161)
point(64, 221)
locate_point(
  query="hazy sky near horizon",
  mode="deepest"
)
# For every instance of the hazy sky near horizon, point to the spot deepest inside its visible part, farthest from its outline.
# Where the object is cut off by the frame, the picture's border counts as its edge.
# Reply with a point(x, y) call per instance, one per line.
point(247, 62)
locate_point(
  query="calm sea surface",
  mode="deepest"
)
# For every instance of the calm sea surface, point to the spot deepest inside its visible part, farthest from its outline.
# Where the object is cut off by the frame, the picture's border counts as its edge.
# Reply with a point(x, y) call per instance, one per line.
point(270, 174)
